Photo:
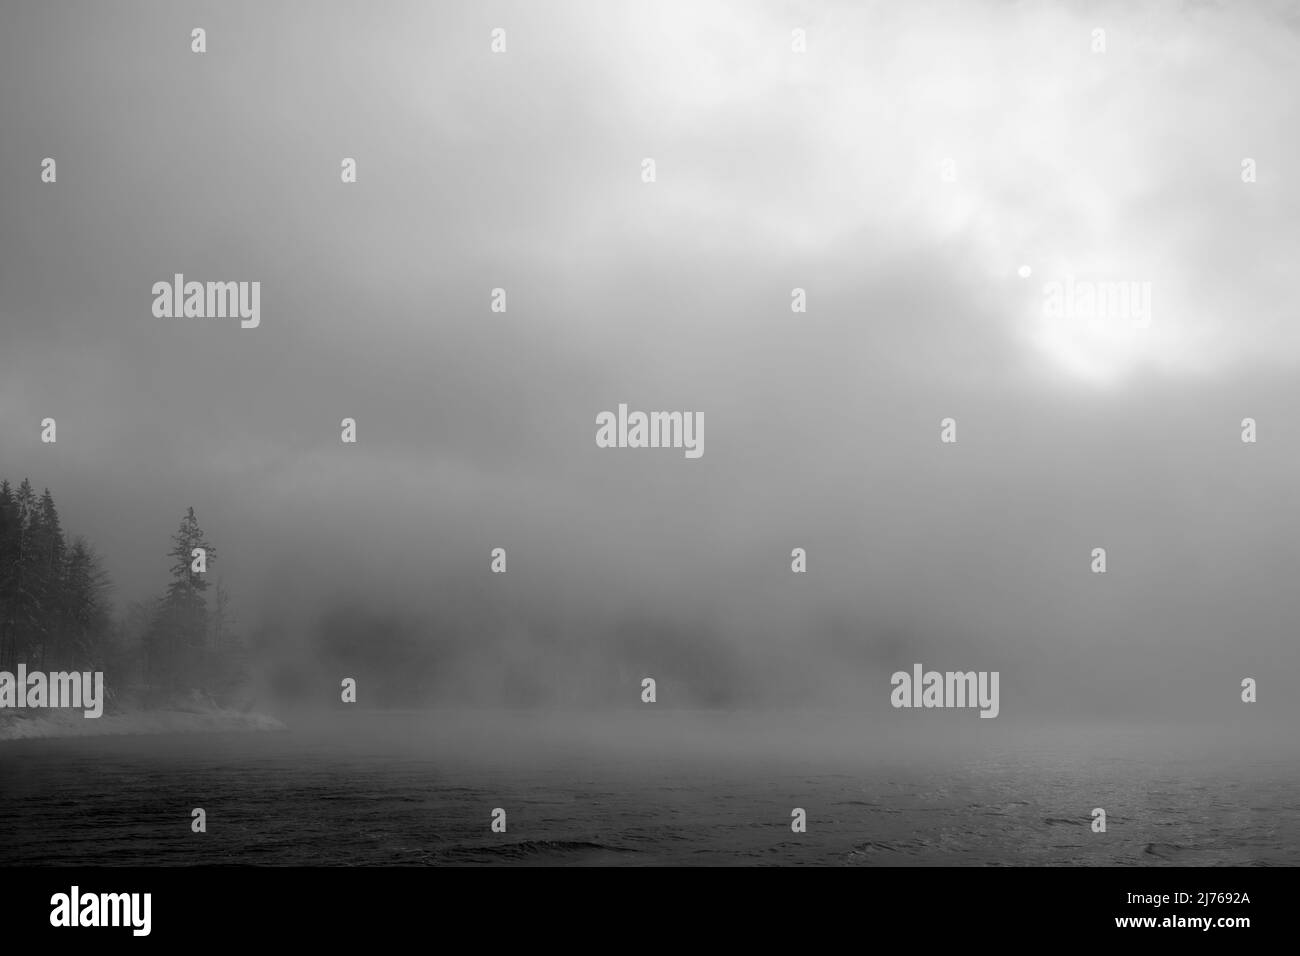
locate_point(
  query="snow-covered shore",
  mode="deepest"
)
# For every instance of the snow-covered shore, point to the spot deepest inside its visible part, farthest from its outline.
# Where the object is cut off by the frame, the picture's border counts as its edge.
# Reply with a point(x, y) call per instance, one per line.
point(38, 724)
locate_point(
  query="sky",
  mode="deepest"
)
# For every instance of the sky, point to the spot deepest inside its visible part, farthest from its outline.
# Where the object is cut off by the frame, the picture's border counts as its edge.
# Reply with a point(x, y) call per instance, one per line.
point(923, 172)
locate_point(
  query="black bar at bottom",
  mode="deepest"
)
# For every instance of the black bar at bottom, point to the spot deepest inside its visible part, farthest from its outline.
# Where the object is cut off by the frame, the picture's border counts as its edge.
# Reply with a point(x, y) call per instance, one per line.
point(340, 905)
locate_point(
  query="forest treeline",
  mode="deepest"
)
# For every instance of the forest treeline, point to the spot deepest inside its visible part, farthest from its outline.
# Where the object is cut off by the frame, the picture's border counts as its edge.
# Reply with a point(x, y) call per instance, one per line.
point(57, 613)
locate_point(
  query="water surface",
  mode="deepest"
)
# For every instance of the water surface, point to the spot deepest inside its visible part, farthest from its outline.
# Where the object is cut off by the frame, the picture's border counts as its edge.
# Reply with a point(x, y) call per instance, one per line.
point(669, 788)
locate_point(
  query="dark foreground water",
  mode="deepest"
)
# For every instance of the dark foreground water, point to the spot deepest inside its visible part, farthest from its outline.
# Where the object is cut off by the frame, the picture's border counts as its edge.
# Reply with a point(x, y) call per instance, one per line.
point(671, 788)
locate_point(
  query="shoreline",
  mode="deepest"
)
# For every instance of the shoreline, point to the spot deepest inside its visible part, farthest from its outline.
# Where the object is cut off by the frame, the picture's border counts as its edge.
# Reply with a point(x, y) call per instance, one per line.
point(60, 724)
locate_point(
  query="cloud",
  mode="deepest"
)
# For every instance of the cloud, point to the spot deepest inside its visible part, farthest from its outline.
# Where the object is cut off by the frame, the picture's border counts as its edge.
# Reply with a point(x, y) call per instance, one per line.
point(776, 171)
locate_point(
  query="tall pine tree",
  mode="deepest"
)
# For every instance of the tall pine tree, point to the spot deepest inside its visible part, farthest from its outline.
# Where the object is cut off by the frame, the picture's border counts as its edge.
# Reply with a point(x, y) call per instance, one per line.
point(26, 613)
point(177, 646)
point(9, 532)
point(49, 552)
point(84, 611)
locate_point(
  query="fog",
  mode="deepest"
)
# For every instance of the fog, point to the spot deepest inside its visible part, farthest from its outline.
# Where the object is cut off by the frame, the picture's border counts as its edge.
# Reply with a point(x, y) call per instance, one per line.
point(476, 429)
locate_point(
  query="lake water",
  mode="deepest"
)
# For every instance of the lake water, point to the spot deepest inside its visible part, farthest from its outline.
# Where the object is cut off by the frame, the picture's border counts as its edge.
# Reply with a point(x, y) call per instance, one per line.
point(670, 788)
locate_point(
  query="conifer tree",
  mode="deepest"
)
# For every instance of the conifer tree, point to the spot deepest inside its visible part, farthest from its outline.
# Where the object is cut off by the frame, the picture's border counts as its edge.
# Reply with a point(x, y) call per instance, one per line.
point(26, 612)
point(8, 573)
point(84, 610)
point(178, 643)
